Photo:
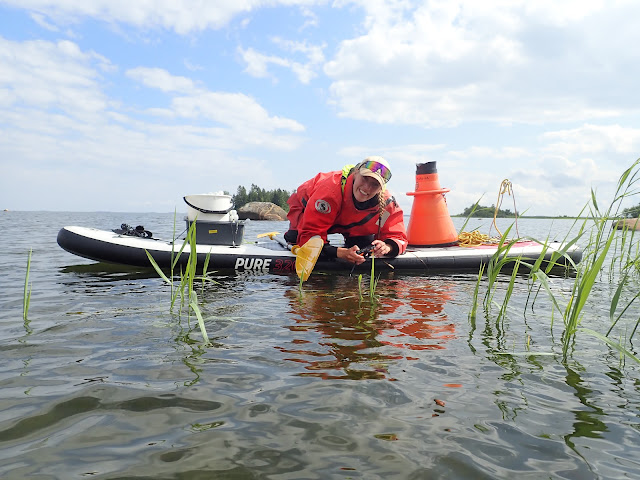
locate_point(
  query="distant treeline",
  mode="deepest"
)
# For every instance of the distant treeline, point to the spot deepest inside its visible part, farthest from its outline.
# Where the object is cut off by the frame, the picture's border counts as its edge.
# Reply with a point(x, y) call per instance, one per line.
point(485, 212)
point(632, 212)
point(257, 194)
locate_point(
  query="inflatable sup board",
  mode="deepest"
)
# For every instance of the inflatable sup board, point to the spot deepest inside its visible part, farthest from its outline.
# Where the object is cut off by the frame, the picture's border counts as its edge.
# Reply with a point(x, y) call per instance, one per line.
point(273, 256)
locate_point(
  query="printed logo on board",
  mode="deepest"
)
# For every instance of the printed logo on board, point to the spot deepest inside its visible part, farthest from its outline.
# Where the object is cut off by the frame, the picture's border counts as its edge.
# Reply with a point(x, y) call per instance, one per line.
point(323, 206)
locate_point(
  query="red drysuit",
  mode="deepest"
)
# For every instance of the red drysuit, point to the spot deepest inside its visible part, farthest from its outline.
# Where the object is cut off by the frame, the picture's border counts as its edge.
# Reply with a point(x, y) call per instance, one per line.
point(321, 206)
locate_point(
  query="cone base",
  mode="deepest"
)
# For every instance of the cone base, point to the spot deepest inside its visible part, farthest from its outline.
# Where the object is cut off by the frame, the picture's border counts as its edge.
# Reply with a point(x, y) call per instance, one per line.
point(434, 245)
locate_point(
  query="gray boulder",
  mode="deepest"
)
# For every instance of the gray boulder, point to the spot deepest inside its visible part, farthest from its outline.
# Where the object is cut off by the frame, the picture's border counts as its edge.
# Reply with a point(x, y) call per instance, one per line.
point(628, 223)
point(261, 211)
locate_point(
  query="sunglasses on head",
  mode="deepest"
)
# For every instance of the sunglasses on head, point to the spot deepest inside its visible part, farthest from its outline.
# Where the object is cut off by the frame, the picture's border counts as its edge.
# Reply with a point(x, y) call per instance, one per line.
point(378, 168)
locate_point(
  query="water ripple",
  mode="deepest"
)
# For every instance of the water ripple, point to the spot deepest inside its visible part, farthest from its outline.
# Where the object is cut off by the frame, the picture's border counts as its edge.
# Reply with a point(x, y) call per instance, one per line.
point(103, 381)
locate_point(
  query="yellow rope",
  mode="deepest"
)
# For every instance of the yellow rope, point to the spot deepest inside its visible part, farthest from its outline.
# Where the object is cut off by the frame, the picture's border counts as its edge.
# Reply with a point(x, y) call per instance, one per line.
point(505, 187)
point(475, 238)
point(470, 239)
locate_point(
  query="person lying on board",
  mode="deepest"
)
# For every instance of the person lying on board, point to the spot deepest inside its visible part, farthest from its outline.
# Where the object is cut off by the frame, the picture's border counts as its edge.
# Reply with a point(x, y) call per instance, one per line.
point(354, 202)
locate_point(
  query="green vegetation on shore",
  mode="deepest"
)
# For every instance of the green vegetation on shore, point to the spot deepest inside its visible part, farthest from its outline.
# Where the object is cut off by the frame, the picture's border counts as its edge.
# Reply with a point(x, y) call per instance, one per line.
point(480, 211)
point(257, 194)
point(631, 212)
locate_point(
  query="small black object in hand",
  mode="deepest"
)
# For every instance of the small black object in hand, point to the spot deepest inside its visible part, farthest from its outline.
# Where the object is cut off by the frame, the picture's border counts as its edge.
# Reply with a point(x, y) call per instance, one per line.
point(366, 251)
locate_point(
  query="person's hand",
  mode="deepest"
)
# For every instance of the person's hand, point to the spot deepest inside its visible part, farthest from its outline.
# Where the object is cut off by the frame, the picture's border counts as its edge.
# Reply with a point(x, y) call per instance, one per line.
point(350, 254)
point(380, 248)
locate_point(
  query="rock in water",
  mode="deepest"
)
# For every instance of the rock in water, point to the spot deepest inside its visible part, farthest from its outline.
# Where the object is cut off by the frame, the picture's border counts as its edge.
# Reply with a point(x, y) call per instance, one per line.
point(629, 223)
point(261, 211)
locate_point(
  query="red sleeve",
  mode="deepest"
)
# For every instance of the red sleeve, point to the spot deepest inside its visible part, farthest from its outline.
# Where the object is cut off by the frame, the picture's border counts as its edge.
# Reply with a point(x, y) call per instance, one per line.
point(321, 211)
point(393, 228)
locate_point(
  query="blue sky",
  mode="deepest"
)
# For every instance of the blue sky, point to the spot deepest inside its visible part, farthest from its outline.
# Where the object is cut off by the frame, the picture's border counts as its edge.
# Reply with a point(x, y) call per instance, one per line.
point(108, 105)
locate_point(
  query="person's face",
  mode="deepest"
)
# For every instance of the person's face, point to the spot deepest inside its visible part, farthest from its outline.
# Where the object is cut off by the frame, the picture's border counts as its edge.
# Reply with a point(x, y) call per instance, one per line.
point(365, 188)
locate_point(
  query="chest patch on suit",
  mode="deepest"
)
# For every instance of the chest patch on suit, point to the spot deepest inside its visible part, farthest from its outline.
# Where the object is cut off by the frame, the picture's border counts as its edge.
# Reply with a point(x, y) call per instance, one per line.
point(323, 206)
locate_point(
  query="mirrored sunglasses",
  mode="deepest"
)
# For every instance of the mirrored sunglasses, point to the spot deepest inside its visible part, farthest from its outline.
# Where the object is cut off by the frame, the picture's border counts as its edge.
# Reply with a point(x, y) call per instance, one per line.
point(379, 168)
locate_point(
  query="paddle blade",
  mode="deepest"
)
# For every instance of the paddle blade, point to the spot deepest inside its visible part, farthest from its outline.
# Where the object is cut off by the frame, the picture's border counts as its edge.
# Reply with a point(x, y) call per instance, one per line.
point(307, 256)
point(271, 235)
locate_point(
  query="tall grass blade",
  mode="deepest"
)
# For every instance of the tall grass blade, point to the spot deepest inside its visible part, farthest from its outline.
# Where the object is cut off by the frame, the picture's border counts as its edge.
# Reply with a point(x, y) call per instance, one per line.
point(615, 300)
point(466, 220)
point(544, 281)
point(304, 272)
point(26, 297)
point(584, 288)
point(204, 269)
point(509, 292)
point(611, 343)
point(196, 309)
point(614, 304)
point(373, 282)
point(474, 307)
point(594, 201)
point(157, 268)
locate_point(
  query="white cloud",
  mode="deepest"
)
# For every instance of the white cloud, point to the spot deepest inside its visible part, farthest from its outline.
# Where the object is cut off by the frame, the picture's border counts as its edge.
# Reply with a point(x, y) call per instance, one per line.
point(546, 181)
point(311, 18)
point(183, 17)
point(41, 20)
point(258, 63)
point(44, 75)
point(54, 77)
point(192, 66)
point(56, 117)
point(595, 140)
point(402, 66)
point(444, 63)
point(236, 110)
point(161, 79)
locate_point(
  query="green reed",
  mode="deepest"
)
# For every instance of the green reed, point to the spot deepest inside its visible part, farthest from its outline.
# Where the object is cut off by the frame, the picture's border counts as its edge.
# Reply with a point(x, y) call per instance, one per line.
point(603, 242)
point(600, 245)
point(373, 282)
point(474, 306)
point(301, 281)
point(26, 297)
point(187, 277)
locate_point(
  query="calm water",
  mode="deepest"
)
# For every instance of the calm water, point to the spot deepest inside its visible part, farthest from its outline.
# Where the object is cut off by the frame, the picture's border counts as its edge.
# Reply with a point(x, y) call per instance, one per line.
point(103, 381)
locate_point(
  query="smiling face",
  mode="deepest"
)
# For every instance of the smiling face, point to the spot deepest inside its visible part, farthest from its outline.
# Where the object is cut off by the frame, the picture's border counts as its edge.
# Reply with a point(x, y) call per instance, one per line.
point(365, 188)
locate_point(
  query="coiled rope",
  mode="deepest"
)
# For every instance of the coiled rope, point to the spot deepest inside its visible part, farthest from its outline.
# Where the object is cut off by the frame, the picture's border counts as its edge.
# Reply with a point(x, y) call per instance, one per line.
point(472, 239)
point(475, 238)
point(505, 187)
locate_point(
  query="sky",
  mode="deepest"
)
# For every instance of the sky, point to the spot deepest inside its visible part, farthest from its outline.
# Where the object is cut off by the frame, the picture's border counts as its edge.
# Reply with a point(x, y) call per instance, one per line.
point(107, 105)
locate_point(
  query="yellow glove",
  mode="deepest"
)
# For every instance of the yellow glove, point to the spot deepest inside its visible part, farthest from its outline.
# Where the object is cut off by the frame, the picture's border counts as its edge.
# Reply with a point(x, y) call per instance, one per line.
point(307, 256)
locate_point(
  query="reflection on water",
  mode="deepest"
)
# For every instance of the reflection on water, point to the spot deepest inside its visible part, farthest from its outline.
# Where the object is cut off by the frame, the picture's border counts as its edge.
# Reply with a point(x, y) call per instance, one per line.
point(104, 381)
point(353, 332)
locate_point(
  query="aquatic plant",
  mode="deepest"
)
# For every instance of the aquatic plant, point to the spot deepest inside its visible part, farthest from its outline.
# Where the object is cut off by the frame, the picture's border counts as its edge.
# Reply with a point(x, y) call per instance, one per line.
point(596, 253)
point(373, 282)
point(26, 298)
point(603, 243)
point(187, 277)
point(301, 281)
point(474, 306)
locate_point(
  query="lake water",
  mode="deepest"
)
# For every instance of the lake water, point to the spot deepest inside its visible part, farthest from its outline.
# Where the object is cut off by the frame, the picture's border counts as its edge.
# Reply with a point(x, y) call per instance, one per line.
point(103, 381)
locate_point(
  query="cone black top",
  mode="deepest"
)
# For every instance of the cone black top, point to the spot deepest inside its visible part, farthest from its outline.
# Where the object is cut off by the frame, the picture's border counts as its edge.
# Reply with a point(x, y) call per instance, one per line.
point(426, 168)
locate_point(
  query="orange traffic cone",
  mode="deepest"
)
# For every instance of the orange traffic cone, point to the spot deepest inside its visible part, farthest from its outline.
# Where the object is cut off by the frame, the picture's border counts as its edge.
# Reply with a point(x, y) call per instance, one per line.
point(430, 224)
